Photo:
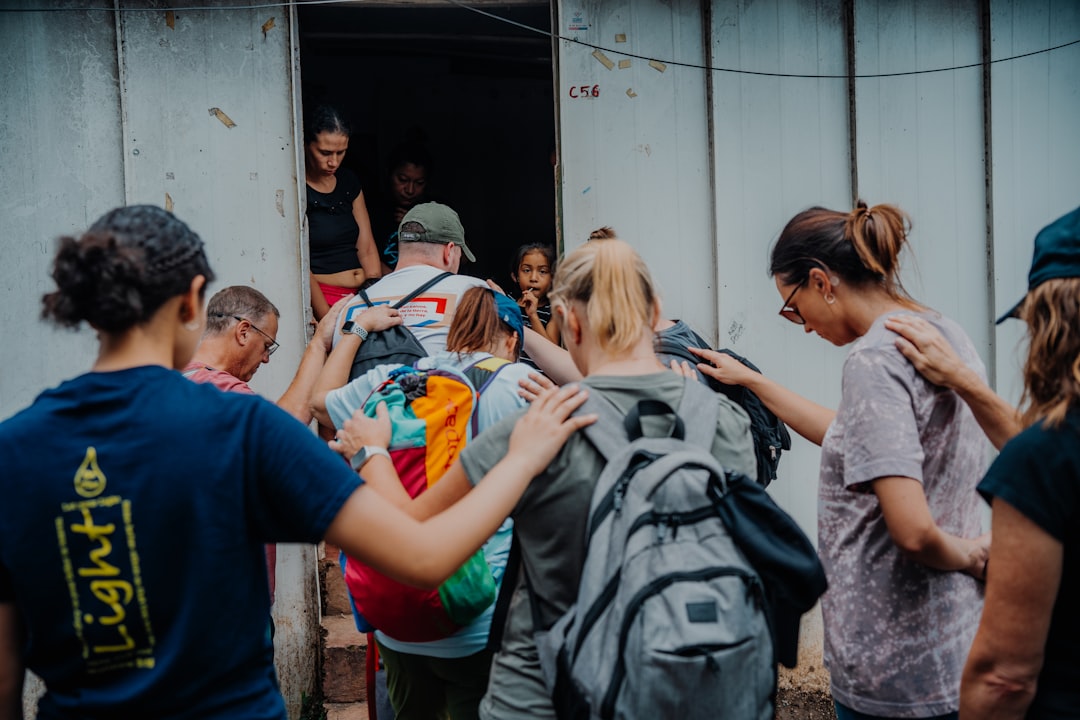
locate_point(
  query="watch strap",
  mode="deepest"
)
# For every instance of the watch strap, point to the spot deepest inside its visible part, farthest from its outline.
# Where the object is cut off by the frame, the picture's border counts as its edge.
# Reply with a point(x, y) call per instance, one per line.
point(351, 327)
point(366, 453)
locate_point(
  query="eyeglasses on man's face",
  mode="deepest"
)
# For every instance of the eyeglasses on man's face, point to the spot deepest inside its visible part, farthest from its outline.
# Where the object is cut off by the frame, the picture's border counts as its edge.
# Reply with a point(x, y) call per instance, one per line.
point(271, 346)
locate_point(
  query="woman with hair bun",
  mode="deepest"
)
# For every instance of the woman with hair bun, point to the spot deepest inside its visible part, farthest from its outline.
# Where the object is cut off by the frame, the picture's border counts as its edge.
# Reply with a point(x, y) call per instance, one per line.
point(136, 503)
point(899, 529)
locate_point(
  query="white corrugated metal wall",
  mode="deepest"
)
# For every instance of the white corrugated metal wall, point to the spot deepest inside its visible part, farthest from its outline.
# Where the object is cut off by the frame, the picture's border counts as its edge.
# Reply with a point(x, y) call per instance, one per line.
point(781, 144)
point(103, 109)
point(633, 142)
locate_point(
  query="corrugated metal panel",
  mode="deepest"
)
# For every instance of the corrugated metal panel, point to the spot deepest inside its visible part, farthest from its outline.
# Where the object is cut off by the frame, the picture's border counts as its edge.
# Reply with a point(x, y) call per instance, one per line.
point(781, 145)
point(60, 144)
point(90, 122)
point(633, 153)
point(919, 141)
point(1036, 149)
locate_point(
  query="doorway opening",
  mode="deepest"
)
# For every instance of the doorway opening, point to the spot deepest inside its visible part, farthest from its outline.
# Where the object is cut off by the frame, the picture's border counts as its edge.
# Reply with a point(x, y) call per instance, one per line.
point(475, 91)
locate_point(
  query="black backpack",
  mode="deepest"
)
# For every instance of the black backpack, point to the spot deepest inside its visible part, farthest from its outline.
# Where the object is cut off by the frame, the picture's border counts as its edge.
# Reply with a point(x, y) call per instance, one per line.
point(396, 345)
point(770, 435)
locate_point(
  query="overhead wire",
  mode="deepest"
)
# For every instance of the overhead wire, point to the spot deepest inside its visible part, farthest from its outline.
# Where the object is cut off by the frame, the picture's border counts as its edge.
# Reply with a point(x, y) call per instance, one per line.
point(572, 40)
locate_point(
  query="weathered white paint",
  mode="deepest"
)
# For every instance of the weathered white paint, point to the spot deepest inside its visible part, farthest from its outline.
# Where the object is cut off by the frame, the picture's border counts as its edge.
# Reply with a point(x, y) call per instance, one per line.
point(91, 121)
point(780, 145)
point(639, 163)
point(1036, 150)
point(62, 168)
point(919, 144)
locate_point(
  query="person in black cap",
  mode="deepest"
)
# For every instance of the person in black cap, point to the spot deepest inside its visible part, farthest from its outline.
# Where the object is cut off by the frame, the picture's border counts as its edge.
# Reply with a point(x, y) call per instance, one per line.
point(1025, 657)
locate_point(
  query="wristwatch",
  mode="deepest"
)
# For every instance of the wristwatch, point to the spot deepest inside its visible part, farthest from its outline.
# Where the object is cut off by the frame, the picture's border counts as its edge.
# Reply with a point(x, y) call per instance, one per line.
point(366, 453)
point(355, 328)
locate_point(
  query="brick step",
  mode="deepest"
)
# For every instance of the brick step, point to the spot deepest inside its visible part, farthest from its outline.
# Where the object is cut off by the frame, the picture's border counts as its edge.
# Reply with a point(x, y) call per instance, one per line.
point(344, 648)
point(344, 660)
point(346, 711)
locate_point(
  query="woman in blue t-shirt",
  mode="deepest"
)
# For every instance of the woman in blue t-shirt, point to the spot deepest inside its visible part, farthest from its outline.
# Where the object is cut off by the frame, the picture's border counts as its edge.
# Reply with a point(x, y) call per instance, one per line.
point(136, 503)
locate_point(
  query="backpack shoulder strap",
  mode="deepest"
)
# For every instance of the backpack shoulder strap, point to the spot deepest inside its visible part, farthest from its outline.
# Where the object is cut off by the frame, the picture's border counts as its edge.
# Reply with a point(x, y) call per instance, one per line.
point(412, 296)
point(699, 411)
point(481, 374)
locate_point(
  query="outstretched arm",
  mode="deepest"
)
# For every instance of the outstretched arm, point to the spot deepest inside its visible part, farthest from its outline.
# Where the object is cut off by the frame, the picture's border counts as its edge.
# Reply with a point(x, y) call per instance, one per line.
point(11, 664)
point(1003, 666)
point(932, 355)
point(295, 401)
point(549, 357)
point(379, 472)
point(335, 373)
point(802, 415)
point(377, 533)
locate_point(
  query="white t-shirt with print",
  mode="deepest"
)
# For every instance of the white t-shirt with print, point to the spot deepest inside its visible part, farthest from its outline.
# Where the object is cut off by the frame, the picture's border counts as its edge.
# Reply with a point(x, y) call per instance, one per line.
point(428, 315)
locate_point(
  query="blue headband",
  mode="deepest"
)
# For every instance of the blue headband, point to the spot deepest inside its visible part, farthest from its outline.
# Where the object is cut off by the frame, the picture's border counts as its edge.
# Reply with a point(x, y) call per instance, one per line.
point(510, 314)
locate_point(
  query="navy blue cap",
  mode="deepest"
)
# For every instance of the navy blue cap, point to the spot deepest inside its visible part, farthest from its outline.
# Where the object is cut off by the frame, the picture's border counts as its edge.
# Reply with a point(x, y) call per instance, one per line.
point(510, 314)
point(1057, 255)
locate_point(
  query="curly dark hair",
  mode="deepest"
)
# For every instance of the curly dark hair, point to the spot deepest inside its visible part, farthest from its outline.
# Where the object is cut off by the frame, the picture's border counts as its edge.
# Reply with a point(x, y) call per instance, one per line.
point(120, 271)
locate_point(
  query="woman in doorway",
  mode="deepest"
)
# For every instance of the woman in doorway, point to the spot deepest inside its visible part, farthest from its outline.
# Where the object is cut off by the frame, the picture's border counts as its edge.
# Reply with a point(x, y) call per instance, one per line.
point(406, 187)
point(132, 575)
point(342, 249)
point(899, 525)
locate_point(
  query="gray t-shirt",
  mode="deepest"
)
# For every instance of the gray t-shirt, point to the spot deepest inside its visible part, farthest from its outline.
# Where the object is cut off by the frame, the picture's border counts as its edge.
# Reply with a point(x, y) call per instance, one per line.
point(550, 522)
point(897, 632)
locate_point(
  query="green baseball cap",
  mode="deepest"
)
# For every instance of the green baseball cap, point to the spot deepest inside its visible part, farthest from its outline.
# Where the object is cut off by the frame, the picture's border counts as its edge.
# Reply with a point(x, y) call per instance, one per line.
point(440, 225)
point(1057, 255)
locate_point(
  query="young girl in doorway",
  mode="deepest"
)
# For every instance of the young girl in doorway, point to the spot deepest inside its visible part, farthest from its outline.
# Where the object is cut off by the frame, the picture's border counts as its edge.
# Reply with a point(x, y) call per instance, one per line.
point(534, 266)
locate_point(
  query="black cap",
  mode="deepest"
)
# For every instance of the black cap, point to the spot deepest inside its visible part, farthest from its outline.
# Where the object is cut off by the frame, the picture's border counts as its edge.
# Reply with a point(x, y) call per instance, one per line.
point(1057, 255)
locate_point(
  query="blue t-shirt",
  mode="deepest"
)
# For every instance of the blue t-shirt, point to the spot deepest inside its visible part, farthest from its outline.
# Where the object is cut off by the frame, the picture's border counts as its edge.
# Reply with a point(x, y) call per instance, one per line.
point(1038, 473)
point(135, 508)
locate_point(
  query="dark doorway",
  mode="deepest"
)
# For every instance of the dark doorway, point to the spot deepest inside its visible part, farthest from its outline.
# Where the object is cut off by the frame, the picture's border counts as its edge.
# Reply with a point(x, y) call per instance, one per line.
point(477, 91)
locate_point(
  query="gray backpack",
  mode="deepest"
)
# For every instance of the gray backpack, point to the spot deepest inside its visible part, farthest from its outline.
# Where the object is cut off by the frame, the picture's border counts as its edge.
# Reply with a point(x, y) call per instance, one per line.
point(670, 618)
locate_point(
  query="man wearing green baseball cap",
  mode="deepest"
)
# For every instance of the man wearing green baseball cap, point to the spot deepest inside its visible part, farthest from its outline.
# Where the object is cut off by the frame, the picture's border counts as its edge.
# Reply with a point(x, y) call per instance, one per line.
point(434, 223)
point(431, 242)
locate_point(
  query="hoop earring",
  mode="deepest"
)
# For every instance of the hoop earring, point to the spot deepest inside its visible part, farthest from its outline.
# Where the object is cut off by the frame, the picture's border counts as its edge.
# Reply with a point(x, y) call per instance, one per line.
point(830, 298)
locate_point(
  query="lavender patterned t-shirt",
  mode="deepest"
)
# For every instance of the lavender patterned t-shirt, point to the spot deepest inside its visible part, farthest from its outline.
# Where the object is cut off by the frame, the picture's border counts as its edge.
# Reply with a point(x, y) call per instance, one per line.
point(897, 632)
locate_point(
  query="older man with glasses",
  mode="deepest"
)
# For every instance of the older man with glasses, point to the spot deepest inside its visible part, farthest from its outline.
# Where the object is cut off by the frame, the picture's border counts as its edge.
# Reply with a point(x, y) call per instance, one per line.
point(240, 335)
